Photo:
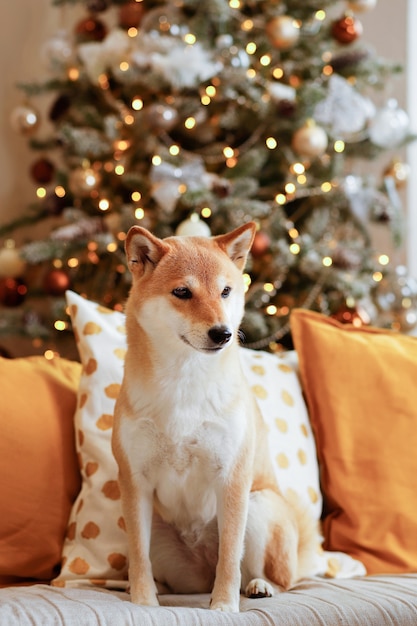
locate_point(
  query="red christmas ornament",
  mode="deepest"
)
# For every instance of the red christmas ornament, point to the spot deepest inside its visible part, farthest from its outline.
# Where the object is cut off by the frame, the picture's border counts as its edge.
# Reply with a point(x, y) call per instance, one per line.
point(56, 282)
point(357, 316)
point(130, 14)
point(54, 205)
point(12, 291)
point(42, 171)
point(90, 29)
point(260, 244)
point(59, 107)
point(346, 29)
point(286, 108)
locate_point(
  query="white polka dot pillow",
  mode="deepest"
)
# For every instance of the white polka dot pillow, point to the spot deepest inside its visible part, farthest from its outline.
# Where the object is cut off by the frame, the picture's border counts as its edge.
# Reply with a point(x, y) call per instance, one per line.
point(95, 548)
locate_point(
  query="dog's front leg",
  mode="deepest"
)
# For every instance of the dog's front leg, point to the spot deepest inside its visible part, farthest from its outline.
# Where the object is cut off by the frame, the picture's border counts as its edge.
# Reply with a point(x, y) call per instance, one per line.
point(232, 511)
point(137, 503)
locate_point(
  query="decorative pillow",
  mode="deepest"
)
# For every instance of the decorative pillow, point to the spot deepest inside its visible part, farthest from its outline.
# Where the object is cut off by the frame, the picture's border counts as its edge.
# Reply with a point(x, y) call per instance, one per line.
point(38, 465)
point(360, 386)
point(95, 550)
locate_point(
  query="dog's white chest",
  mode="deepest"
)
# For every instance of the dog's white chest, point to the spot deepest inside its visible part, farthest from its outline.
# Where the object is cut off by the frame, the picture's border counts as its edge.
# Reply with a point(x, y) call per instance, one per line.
point(182, 470)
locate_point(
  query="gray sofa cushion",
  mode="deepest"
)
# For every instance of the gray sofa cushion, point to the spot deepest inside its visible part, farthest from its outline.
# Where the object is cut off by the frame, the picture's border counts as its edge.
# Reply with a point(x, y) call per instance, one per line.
point(368, 601)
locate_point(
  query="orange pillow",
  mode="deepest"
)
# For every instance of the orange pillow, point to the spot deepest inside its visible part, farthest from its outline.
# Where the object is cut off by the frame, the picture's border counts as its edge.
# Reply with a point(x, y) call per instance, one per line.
point(361, 390)
point(38, 465)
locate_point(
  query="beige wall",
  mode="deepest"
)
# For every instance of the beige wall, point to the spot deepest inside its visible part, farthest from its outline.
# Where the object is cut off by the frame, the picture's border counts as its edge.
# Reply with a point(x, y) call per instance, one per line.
point(26, 24)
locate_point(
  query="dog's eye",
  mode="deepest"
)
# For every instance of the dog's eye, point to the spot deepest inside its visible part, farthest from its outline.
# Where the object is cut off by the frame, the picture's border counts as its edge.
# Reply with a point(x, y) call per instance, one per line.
point(226, 292)
point(183, 293)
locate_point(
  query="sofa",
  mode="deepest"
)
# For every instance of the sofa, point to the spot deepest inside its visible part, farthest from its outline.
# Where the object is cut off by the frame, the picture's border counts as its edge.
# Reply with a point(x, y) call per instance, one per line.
point(342, 422)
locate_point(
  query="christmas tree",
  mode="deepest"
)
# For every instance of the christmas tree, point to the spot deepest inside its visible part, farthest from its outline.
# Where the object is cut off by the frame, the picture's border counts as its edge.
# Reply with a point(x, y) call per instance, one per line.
point(191, 117)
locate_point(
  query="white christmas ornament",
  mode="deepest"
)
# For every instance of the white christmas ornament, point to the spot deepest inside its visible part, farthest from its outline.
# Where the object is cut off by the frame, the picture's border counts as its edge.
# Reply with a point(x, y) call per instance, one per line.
point(193, 227)
point(389, 126)
point(278, 92)
point(57, 53)
point(167, 178)
point(185, 65)
point(344, 111)
point(98, 57)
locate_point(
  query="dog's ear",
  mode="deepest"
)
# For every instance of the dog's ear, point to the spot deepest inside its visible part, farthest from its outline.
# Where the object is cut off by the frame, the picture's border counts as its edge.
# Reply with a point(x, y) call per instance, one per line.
point(237, 243)
point(143, 250)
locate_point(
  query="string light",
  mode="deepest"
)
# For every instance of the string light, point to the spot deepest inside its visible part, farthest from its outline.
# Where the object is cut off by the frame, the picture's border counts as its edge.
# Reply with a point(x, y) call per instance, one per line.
point(60, 325)
point(271, 143)
point(278, 73)
point(280, 199)
point(339, 145)
point(137, 103)
point(247, 25)
point(104, 204)
point(190, 39)
point(174, 150)
point(190, 123)
point(73, 73)
point(247, 281)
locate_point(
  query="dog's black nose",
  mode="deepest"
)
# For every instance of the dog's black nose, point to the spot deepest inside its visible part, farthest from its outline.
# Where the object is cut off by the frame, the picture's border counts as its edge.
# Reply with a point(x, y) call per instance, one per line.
point(220, 335)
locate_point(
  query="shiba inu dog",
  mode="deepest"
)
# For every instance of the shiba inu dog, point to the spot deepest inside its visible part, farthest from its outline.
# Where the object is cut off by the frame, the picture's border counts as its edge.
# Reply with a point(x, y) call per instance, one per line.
point(202, 509)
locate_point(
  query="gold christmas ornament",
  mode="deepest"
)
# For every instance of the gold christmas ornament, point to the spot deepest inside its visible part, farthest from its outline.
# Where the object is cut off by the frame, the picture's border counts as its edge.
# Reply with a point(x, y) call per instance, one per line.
point(310, 140)
point(24, 119)
point(399, 171)
point(361, 6)
point(162, 117)
point(83, 181)
point(283, 32)
point(11, 263)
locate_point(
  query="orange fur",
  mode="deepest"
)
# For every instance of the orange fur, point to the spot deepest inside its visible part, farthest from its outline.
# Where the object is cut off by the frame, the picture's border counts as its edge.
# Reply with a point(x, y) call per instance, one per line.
point(202, 508)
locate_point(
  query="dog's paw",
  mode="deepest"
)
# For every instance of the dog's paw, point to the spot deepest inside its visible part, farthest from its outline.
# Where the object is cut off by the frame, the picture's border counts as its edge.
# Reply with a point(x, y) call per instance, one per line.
point(141, 600)
point(259, 588)
point(224, 606)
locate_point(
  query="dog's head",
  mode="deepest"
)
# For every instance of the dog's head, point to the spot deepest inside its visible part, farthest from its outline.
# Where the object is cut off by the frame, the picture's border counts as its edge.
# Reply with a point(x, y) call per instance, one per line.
point(188, 290)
